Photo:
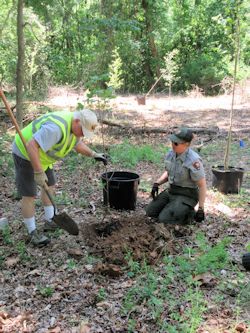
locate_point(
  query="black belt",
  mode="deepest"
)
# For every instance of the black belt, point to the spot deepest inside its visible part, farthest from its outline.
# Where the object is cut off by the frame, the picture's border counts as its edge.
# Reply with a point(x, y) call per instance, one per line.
point(186, 191)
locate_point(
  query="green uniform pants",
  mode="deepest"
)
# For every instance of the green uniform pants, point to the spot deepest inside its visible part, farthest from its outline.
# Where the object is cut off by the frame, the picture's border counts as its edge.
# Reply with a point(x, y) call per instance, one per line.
point(174, 206)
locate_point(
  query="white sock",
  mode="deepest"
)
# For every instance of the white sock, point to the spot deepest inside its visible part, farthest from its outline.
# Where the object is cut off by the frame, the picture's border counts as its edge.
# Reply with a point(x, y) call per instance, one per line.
point(48, 213)
point(30, 223)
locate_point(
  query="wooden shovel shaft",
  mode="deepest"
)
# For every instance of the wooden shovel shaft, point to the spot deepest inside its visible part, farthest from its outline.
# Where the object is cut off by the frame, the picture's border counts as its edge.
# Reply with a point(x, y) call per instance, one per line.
point(12, 117)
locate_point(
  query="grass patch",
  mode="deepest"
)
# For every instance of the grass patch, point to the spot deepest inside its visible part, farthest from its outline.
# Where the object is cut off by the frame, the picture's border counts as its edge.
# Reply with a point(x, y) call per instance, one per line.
point(74, 162)
point(129, 155)
point(240, 200)
point(46, 291)
point(214, 153)
point(173, 297)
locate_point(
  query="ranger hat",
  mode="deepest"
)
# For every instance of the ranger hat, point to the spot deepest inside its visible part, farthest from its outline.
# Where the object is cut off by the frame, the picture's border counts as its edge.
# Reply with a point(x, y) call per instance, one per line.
point(88, 121)
point(182, 135)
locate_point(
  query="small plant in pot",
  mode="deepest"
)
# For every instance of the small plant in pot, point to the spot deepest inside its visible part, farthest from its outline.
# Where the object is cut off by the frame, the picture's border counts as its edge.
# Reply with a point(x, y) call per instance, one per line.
point(228, 179)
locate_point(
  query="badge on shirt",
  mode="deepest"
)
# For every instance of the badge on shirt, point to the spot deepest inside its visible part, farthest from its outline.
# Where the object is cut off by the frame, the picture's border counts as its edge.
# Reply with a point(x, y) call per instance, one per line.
point(197, 165)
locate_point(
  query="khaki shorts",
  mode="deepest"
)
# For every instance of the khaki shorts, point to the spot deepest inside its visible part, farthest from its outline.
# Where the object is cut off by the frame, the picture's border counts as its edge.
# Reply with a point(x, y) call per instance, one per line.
point(26, 185)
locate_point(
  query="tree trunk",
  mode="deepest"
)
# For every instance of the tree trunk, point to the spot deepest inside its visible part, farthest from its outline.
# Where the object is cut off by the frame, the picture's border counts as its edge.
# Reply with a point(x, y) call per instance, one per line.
point(20, 64)
point(150, 37)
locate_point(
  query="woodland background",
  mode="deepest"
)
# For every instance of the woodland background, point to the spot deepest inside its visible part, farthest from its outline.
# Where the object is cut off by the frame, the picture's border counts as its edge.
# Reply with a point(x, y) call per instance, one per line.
point(123, 46)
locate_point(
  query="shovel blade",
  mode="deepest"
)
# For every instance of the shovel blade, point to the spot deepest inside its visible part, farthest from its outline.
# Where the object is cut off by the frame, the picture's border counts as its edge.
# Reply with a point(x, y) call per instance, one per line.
point(67, 223)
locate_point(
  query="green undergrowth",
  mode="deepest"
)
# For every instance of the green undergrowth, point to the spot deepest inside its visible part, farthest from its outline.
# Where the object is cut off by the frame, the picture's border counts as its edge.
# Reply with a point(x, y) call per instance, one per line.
point(213, 155)
point(173, 291)
point(129, 154)
point(214, 152)
point(240, 200)
point(126, 154)
point(6, 161)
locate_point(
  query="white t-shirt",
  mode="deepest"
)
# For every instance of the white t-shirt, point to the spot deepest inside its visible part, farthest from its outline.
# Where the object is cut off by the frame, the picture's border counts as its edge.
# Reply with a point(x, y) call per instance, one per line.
point(47, 136)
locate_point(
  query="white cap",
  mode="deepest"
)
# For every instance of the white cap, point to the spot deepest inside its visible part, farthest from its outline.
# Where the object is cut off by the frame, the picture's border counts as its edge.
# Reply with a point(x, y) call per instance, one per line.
point(88, 121)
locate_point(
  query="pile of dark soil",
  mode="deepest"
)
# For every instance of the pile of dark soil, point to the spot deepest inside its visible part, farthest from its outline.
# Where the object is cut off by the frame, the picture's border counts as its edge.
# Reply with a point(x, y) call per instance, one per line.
point(136, 236)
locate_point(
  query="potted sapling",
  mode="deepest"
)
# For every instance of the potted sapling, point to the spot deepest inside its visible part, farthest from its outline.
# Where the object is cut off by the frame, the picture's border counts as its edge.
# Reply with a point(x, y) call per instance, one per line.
point(228, 179)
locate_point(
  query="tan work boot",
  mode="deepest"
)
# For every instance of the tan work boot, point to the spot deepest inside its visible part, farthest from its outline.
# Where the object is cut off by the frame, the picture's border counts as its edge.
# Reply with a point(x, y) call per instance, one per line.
point(38, 239)
point(50, 226)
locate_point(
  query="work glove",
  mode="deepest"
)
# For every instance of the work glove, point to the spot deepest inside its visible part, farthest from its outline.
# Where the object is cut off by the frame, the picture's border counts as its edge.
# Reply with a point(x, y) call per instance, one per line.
point(200, 215)
point(155, 191)
point(100, 157)
point(41, 178)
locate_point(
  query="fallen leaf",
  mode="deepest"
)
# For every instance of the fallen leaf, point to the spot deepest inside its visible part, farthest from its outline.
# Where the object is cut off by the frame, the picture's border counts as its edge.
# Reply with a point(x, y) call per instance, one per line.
point(84, 328)
point(104, 305)
point(75, 252)
point(205, 279)
point(241, 327)
point(34, 272)
point(108, 269)
point(56, 329)
point(153, 254)
point(12, 261)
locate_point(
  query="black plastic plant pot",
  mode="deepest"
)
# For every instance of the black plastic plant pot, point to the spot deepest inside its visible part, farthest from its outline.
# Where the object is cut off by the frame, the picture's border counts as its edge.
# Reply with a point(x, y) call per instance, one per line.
point(246, 261)
point(227, 181)
point(120, 189)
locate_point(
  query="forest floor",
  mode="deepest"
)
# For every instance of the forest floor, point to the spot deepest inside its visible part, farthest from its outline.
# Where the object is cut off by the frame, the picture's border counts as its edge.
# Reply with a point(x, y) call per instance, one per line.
point(123, 272)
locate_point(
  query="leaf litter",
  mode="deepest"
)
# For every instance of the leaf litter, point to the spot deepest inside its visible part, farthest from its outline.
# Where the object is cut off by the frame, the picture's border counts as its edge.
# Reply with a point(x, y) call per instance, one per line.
point(78, 283)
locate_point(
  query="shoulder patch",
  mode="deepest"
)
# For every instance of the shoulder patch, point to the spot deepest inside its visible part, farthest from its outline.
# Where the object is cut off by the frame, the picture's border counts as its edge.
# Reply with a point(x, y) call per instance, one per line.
point(197, 165)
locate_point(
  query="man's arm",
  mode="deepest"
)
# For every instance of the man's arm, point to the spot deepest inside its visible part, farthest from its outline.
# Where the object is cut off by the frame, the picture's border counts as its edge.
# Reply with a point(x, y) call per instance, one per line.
point(33, 152)
point(83, 149)
point(40, 176)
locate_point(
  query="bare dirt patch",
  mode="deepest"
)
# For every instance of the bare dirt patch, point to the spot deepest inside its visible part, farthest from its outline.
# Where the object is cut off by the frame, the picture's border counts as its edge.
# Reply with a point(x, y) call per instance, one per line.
point(135, 235)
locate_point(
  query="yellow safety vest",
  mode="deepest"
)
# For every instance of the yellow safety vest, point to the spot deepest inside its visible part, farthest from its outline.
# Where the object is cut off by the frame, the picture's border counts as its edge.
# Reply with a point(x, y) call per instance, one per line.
point(59, 150)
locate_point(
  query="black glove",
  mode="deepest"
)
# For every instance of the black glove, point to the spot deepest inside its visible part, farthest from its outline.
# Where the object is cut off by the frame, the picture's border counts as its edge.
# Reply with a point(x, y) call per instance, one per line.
point(100, 157)
point(155, 191)
point(200, 215)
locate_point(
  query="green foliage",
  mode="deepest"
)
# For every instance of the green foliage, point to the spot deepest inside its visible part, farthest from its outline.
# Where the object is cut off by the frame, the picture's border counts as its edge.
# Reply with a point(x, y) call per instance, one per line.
point(215, 258)
point(56, 233)
point(6, 161)
point(90, 260)
point(129, 155)
point(131, 325)
point(74, 41)
point(206, 259)
point(133, 266)
point(152, 290)
point(2, 258)
point(115, 72)
point(206, 70)
point(6, 235)
point(97, 87)
point(101, 295)
point(8, 45)
point(170, 69)
point(71, 264)
point(46, 291)
point(22, 251)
